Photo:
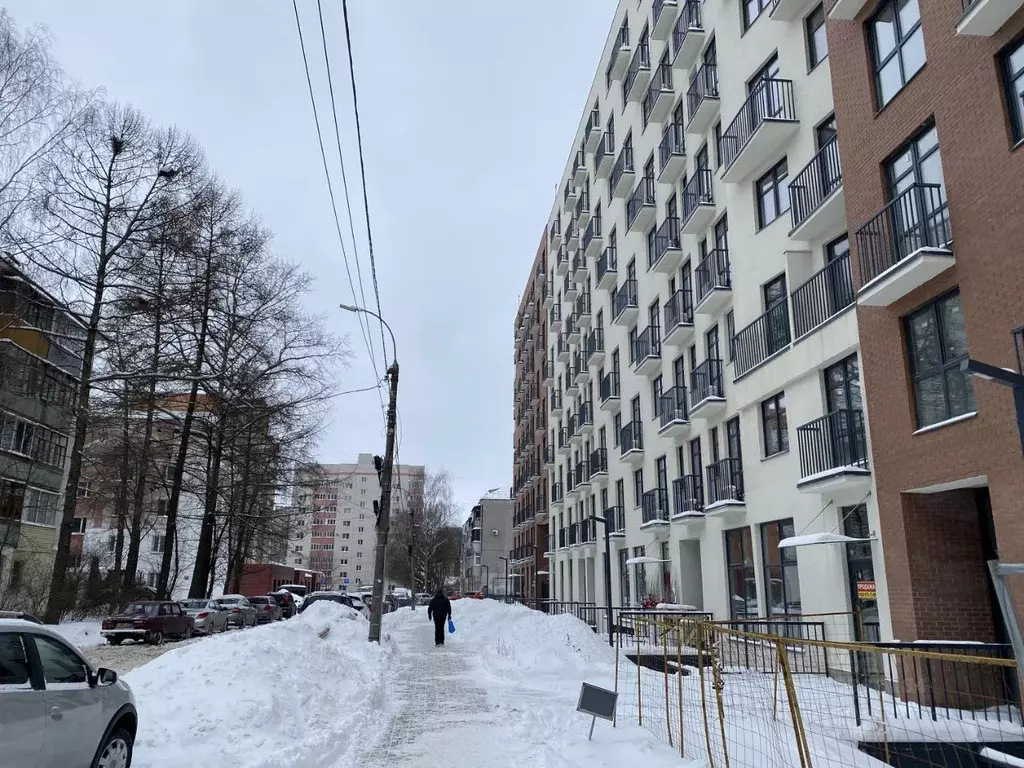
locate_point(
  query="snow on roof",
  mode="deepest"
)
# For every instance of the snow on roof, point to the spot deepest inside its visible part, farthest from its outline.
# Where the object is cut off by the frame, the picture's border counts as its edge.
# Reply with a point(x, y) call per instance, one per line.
point(810, 539)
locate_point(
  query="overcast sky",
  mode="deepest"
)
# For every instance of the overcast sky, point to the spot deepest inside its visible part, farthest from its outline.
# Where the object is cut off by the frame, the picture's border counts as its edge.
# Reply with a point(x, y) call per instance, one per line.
point(468, 110)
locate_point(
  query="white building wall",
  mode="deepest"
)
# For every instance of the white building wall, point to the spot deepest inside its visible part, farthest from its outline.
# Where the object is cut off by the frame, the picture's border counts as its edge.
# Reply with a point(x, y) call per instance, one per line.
point(697, 552)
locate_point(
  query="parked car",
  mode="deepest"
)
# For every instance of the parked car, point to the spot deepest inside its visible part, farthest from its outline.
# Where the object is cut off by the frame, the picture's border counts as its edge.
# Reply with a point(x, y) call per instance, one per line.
point(209, 616)
point(287, 602)
point(424, 599)
point(148, 620)
point(335, 597)
point(298, 591)
point(241, 613)
point(267, 609)
point(57, 710)
point(360, 604)
point(20, 615)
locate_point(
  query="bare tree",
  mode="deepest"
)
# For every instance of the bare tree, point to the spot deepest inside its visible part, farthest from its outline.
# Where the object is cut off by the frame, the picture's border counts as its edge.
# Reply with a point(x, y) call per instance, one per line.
point(433, 534)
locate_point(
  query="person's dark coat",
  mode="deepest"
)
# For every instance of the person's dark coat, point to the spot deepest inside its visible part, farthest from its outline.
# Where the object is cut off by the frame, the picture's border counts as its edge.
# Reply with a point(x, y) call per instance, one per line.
point(440, 608)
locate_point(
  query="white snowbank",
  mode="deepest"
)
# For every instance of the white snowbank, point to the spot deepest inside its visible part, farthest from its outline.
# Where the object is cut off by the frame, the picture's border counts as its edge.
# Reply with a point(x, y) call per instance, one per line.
point(82, 633)
point(296, 693)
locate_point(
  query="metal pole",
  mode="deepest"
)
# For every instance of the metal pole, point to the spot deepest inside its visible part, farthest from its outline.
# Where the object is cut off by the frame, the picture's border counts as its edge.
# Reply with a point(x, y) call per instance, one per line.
point(607, 578)
point(384, 521)
point(506, 576)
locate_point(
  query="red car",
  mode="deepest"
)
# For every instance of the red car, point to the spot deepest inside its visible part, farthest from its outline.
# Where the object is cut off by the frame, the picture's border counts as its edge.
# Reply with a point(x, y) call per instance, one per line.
point(149, 620)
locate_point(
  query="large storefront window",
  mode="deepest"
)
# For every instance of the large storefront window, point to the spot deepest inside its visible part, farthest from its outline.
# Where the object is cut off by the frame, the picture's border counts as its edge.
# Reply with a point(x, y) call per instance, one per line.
point(781, 581)
point(739, 564)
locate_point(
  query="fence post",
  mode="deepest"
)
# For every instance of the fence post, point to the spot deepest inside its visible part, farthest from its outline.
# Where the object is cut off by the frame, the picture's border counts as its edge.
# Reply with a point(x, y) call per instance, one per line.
point(618, 652)
point(719, 685)
point(794, 707)
point(703, 694)
point(639, 674)
point(664, 664)
point(679, 681)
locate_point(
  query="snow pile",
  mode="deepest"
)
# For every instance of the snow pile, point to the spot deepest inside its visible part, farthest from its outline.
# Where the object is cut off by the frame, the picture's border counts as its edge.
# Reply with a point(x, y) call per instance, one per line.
point(293, 693)
point(82, 634)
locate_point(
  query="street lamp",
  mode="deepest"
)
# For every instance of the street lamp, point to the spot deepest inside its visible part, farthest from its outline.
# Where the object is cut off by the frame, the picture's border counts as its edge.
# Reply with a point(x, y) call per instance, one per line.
point(1004, 376)
point(607, 572)
point(353, 308)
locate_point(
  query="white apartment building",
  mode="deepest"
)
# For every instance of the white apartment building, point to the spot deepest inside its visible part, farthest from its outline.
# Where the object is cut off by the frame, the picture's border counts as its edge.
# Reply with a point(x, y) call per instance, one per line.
point(705, 398)
point(337, 531)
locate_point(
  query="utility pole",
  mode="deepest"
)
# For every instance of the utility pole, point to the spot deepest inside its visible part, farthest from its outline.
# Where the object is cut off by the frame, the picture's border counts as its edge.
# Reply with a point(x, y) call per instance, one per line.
point(384, 519)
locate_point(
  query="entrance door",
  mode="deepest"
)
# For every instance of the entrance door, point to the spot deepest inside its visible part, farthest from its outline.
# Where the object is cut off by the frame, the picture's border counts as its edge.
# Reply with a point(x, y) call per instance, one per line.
point(861, 572)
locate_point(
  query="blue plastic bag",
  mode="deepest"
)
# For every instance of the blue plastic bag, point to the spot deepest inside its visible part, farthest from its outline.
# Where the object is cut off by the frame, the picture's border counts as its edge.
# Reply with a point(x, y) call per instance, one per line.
point(451, 626)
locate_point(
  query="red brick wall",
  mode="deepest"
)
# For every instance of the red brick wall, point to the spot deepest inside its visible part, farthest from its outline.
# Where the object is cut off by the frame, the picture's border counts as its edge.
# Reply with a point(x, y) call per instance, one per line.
point(960, 88)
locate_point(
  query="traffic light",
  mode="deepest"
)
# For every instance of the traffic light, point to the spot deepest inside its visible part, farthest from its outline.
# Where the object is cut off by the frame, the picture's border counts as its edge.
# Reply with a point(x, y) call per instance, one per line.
point(376, 510)
point(378, 464)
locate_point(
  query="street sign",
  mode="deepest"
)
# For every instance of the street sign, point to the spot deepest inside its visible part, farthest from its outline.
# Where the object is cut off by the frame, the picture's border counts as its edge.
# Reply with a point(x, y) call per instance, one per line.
point(596, 702)
point(346, 581)
point(866, 590)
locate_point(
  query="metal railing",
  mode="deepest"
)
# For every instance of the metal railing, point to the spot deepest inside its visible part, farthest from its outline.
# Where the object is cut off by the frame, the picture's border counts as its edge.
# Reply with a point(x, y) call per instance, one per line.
point(582, 472)
point(678, 309)
point(598, 461)
point(641, 61)
point(660, 86)
point(815, 183)
point(770, 99)
point(609, 386)
point(588, 531)
point(605, 149)
point(631, 437)
point(593, 122)
point(672, 407)
point(769, 334)
point(582, 304)
point(667, 237)
point(563, 538)
point(647, 344)
point(574, 534)
point(584, 417)
point(625, 297)
point(593, 230)
point(688, 494)
point(654, 506)
point(595, 342)
point(687, 21)
point(673, 144)
point(616, 517)
point(623, 164)
point(837, 439)
point(608, 263)
point(825, 294)
point(556, 400)
point(699, 190)
point(643, 196)
point(725, 481)
point(706, 381)
point(703, 85)
point(917, 218)
point(713, 272)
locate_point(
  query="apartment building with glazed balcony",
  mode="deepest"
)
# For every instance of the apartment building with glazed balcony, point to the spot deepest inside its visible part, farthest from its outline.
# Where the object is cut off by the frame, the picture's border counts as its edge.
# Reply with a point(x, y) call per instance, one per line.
point(706, 400)
point(532, 452)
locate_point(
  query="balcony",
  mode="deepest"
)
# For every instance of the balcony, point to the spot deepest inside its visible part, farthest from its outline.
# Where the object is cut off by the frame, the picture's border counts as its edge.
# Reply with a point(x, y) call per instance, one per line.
point(672, 154)
point(767, 336)
point(592, 133)
point(579, 168)
point(582, 474)
point(816, 197)
point(588, 532)
point(631, 443)
point(673, 417)
point(569, 289)
point(595, 347)
point(615, 520)
point(725, 490)
point(563, 538)
point(572, 330)
point(707, 393)
point(562, 348)
point(604, 157)
point(572, 491)
point(607, 268)
point(582, 370)
point(583, 316)
point(688, 36)
point(574, 535)
point(598, 466)
point(678, 319)
point(654, 508)
point(610, 392)
point(572, 235)
point(791, 10)
point(585, 419)
point(569, 198)
point(625, 306)
point(714, 283)
point(765, 124)
point(619, 58)
point(555, 318)
point(572, 386)
point(548, 372)
point(579, 269)
point(592, 239)
point(561, 262)
point(658, 100)
point(564, 434)
point(555, 400)
point(904, 245)
point(549, 545)
point(846, 10)
point(698, 202)
point(825, 294)
point(556, 493)
point(702, 101)
point(668, 247)
point(549, 295)
point(583, 207)
point(641, 208)
point(986, 17)
point(834, 456)
point(623, 173)
point(688, 498)
point(645, 353)
point(549, 456)
point(638, 74)
point(555, 234)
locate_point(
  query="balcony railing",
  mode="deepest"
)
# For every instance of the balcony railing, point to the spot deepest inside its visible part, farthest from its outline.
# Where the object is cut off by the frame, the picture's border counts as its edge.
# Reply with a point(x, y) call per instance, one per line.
point(625, 297)
point(556, 493)
point(609, 386)
point(615, 519)
point(570, 481)
point(574, 534)
point(679, 309)
point(654, 504)
point(815, 183)
point(583, 304)
point(770, 99)
point(673, 144)
point(604, 150)
point(562, 257)
point(582, 472)
point(918, 218)
point(832, 442)
point(703, 85)
point(766, 336)
point(556, 400)
point(595, 342)
point(584, 416)
point(593, 230)
point(725, 481)
point(578, 162)
point(688, 19)
point(583, 203)
point(631, 438)
point(643, 196)
point(706, 381)
point(608, 263)
point(563, 538)
point(688, 494)
point(827, 293)
point(699, 190)
point(588, 531)
point(570, 231)
point(666, 238)
point(593, 123)
point(646, 344)
point(659, 88)
point(555, 230)
point(641, 61)
point(623, 164)
point(598, 461)
point(713, 272)
point(673, 406)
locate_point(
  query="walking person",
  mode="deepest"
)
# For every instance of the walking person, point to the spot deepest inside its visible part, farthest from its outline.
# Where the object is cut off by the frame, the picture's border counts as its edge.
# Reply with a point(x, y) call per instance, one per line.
point(439, 610)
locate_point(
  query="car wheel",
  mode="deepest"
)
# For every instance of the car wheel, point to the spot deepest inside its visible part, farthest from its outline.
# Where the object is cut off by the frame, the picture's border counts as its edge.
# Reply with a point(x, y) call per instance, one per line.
point(116, 751)
point(189, 631)
point(115, 640)
point(156, 638)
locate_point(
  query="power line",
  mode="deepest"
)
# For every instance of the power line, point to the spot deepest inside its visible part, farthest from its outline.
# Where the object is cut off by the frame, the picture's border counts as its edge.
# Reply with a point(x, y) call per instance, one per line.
point(364, 329)
point(362, 169)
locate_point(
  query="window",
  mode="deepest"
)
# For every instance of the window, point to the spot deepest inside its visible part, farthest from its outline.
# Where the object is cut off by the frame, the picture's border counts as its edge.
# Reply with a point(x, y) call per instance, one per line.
point(732, 439)
point(656, 390)
point(718, 145)
point(752, 9)
point(13, 660)
point(773, 424)
point(740, 574)
point(60, 664)
point(730, 332)
point(1013, 76)
point(817, 44)
point(346, 523)
point(781, 580)
point(78, 526)
point(158, 543)
point(897, 46)
point(772, 192)
point(40, 507)
point(776, 307)
point(638, 487)
point(936, 343)
point(111, 541)
point(84, 489)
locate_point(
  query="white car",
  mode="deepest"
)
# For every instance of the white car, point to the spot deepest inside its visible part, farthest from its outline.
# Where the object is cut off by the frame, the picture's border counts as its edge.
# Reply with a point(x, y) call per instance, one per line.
point(361, 605)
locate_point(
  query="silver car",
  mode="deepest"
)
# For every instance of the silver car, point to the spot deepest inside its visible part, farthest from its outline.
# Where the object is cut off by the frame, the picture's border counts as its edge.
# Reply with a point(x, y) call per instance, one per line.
point(209, 615)
point(241, 613)
point(56, 710)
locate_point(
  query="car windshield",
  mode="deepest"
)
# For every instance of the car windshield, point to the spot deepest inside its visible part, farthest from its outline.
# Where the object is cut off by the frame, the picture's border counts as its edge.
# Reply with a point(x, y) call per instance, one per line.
point(258, 600)
point(195, 605)
point(140, 609)
point(230, 600)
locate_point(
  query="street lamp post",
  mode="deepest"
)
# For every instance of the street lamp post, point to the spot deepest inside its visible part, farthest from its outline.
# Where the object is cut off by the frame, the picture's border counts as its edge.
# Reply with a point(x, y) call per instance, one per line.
point(607, 574)
point(1004, 376)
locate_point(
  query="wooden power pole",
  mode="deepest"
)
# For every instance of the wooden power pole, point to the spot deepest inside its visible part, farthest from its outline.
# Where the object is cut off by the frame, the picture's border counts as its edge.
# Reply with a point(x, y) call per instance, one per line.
point(384, 519)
